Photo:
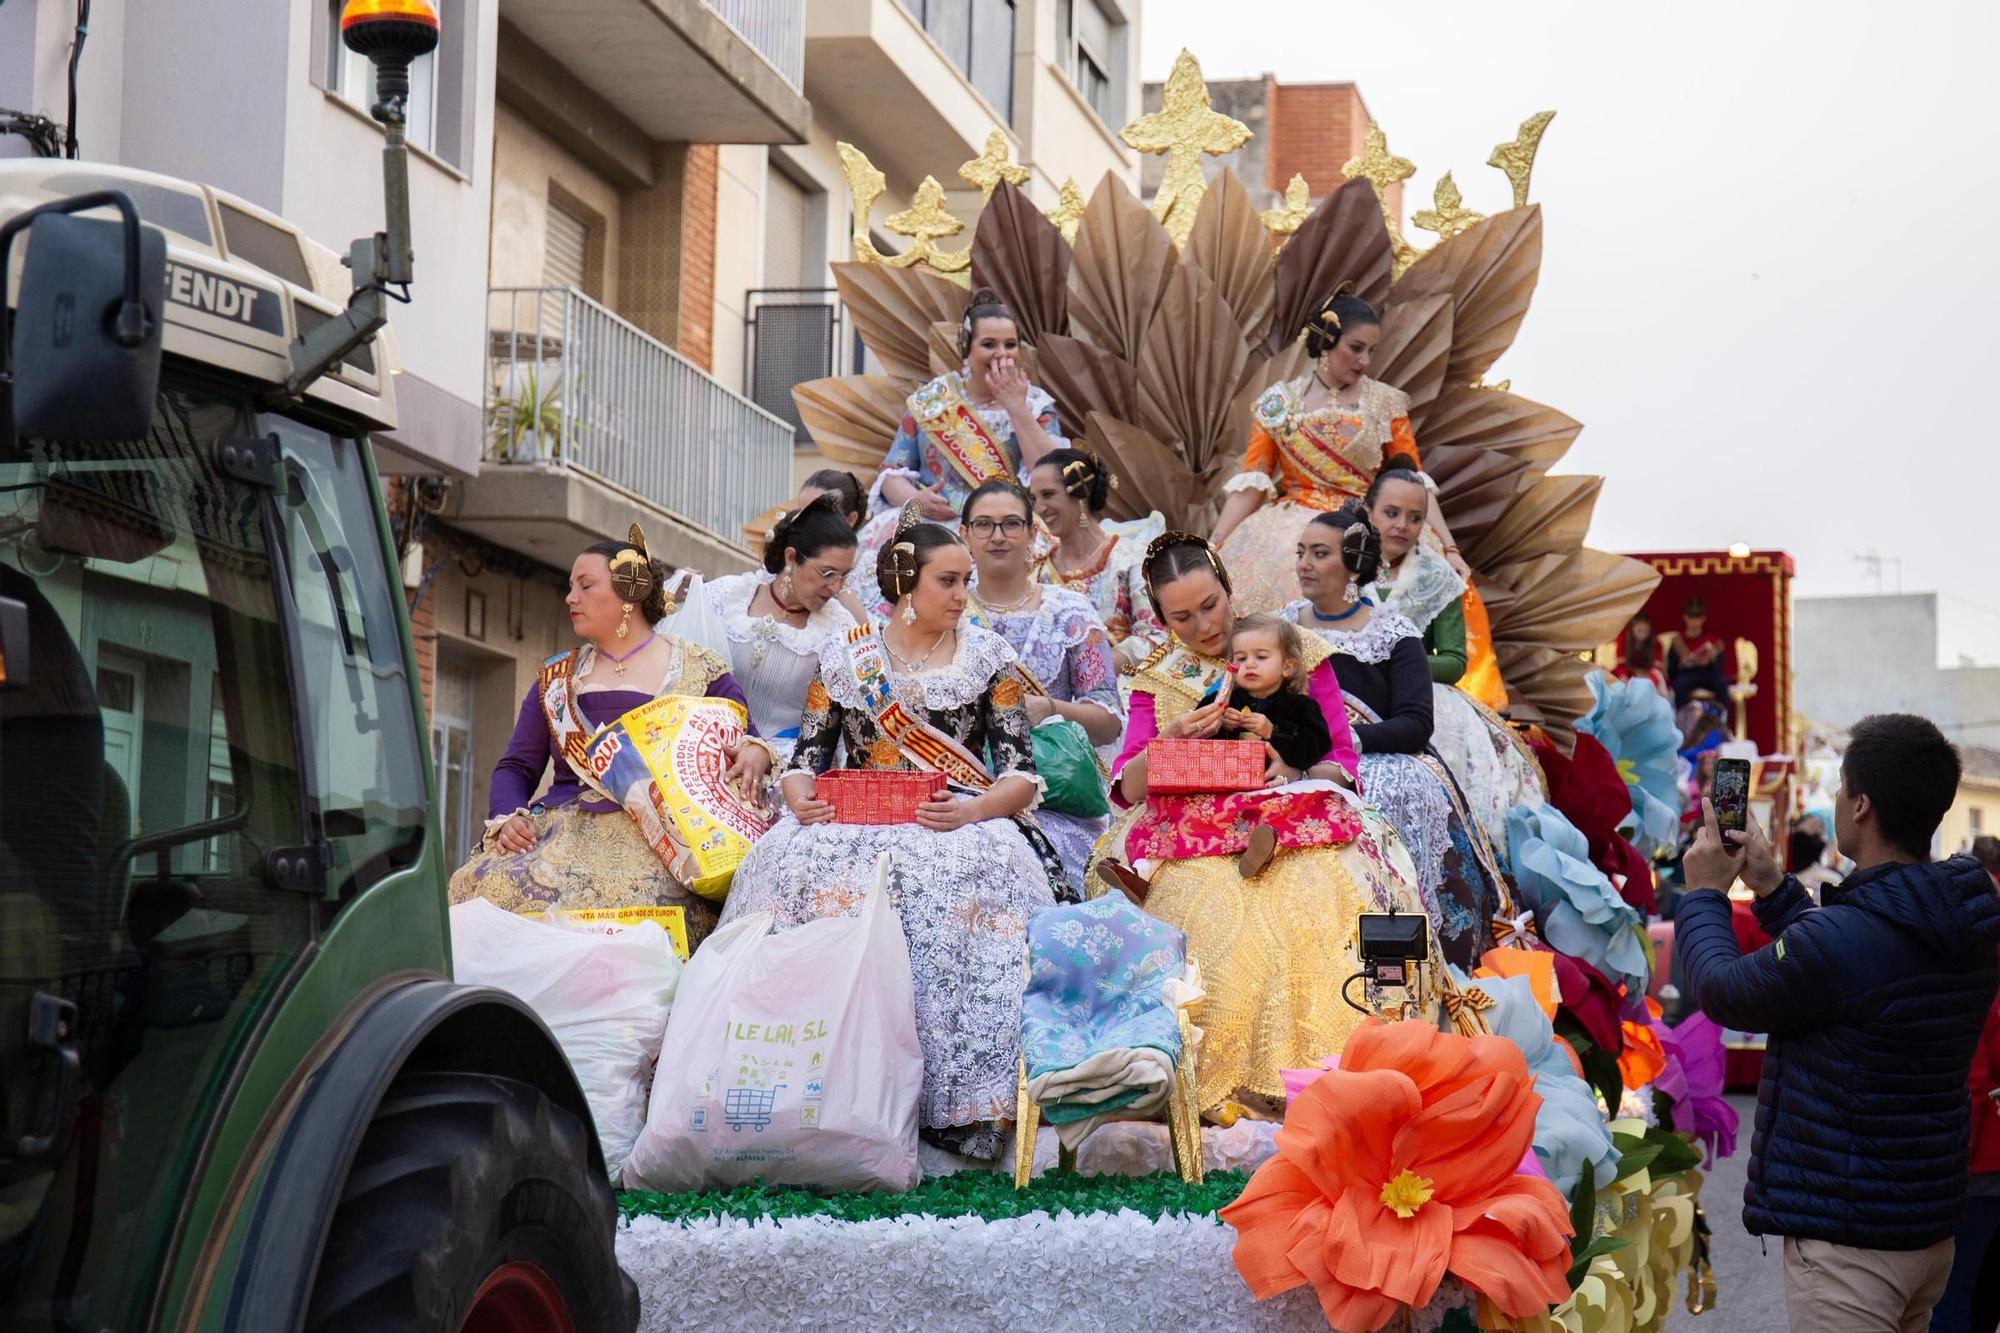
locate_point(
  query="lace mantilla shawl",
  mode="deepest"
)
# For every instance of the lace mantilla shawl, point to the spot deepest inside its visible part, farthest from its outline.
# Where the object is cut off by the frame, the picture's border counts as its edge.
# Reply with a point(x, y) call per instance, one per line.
point(730, 598)
point(981, 656)
point(1371, 643)
point(1426, 585)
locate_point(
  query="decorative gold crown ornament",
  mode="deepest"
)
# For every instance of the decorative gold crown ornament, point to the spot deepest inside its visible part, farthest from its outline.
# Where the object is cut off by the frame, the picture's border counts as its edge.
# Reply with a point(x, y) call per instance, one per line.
point(1155, 329)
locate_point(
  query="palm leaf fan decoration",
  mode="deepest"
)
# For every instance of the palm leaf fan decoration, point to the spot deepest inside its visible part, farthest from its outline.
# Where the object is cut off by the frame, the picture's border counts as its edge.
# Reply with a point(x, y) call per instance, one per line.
point(1154, 350)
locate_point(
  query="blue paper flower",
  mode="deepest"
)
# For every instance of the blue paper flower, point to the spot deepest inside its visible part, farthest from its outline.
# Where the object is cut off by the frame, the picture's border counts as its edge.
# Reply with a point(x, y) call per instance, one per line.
point(1581, 913)
point(1570, 1133)
point(1635, 723)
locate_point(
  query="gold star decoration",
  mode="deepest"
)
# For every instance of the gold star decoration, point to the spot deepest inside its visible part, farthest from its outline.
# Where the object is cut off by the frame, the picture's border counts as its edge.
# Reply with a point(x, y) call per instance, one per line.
point(926, 222)
point(1382, 169)
point(1185, 127)
point(1516, 160)
point(991, 167)
point(1448, 217)
point(1068, 210)
point(1297, 208)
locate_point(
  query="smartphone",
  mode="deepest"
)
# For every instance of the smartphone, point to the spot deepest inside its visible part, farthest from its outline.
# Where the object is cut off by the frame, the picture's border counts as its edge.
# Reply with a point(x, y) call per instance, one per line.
point(1730, 794)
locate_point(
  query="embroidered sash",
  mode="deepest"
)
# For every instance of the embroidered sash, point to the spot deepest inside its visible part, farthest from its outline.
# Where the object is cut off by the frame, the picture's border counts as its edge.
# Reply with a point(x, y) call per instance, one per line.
point(569, 735)
point(949, 422)
point(1177, 677)
point(920, 742)
point(1310, 439)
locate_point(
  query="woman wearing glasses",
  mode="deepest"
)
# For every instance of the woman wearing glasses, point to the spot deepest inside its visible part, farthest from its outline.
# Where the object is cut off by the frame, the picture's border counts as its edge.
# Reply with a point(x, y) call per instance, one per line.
point(1067, 663)
point(777, 619)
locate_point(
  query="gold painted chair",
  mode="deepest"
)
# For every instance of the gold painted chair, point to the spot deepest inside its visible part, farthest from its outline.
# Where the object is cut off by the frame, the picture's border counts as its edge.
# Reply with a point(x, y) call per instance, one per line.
point(1183, 1121)
point(1744, 688)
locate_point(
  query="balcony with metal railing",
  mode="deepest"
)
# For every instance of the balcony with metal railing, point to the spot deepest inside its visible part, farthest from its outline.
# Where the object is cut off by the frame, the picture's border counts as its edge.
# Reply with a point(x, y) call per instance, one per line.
point(777, 28)
point(594, 424)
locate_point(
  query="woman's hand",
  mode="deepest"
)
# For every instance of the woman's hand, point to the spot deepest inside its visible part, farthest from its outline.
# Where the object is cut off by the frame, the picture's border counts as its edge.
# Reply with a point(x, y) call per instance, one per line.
point(937, 509)
point(1008, 383)
point(1040, 709)
point(1276, 771)
point(749, 765)
point(1254, 724)
point(1458, 565)
point(942, 814)
point(1198, 723)
point(517, 835)
point(808, 808)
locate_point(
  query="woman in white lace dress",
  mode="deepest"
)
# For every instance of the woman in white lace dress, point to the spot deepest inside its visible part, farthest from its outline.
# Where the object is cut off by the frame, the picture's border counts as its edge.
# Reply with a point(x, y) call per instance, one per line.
point(776, 620)
point(1060, 641)
point(925, 691)
point(1093, 555)
point(1379, 657)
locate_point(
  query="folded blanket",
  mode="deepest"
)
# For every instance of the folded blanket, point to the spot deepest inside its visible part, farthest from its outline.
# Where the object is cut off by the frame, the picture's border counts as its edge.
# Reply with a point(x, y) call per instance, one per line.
point(1100, 1028)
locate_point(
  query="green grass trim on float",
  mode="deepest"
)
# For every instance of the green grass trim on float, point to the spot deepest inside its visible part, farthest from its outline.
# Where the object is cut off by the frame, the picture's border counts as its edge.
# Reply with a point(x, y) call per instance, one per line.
point(984, 1194)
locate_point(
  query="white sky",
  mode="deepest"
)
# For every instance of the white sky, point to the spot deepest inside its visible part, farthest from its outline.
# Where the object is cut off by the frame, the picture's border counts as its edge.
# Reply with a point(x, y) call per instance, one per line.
point(1771, 275)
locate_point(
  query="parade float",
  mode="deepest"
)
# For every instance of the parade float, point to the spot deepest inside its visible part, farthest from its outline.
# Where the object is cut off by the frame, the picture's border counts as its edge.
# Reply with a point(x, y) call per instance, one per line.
point(1526, 1153)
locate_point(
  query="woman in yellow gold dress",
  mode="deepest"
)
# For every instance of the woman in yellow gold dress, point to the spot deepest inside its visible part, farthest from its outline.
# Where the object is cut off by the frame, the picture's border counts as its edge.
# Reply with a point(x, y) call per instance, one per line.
point(1276, 948)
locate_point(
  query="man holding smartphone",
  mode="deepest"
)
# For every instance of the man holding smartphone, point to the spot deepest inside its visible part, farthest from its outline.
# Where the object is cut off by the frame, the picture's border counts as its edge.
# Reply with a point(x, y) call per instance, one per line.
point(1873, 1003)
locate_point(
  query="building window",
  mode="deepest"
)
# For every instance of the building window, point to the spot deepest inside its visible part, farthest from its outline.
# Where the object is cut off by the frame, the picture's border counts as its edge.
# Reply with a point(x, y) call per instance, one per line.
point(435, 115)
point(1975, 820)
point(573, 245)
point(1090, 50)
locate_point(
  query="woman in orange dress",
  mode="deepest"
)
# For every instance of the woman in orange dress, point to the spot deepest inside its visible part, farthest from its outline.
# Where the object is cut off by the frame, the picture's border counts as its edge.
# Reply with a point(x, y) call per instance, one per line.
point(1315, 442)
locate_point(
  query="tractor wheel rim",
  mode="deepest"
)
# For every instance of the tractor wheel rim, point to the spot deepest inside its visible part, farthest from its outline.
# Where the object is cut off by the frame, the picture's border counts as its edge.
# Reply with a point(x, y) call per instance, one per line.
point(517, 1297)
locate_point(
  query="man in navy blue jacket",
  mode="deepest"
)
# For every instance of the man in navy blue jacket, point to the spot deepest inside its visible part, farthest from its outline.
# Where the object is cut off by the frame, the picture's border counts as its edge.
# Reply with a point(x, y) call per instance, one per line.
point(1873, 1002)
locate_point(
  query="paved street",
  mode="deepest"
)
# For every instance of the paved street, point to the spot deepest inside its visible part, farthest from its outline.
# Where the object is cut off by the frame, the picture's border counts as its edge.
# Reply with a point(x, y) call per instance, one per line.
point(1749, 1271)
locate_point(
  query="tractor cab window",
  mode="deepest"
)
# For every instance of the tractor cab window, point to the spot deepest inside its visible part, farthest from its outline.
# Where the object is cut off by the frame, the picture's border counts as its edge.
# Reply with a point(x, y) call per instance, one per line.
point(214, 679)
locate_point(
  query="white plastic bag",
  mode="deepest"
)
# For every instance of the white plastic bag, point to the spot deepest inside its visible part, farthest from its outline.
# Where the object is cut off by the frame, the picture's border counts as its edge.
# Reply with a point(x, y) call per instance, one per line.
point(605, 996)
point(790, 1059)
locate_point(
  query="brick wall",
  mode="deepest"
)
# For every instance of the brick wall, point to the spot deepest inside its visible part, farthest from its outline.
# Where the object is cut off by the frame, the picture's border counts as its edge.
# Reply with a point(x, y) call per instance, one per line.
point(697, 285)
point(423, 628)
point(1315, 129)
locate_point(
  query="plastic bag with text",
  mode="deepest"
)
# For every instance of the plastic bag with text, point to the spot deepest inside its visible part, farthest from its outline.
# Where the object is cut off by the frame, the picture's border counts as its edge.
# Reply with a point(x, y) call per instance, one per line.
point(791, 1059)
point(605, 996)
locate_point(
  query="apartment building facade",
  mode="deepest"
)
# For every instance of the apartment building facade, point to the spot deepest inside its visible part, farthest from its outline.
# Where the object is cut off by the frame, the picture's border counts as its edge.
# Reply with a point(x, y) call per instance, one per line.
point(556, 357)
point(918, 86)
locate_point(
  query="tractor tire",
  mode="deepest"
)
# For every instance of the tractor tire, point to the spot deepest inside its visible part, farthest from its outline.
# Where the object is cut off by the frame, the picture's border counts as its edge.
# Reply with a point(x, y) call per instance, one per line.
point(472, 1206)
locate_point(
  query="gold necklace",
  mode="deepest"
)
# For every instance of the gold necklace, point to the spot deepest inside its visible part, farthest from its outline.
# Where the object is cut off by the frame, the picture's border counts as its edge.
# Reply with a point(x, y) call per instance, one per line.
point(1006, 608)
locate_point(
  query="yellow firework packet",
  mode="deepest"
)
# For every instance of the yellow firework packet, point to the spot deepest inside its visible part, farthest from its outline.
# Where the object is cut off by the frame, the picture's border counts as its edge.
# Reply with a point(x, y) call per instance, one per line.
point(664, 762)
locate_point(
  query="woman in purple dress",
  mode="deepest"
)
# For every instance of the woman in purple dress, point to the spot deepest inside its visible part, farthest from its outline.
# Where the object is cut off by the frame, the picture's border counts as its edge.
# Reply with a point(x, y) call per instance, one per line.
point(574, 847)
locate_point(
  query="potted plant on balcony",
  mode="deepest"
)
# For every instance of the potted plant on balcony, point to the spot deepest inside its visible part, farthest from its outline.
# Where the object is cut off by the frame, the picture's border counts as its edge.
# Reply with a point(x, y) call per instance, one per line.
point(529, 426)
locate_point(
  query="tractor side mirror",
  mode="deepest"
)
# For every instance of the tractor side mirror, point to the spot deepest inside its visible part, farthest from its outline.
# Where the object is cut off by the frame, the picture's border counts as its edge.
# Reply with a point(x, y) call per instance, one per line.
point(80, 357)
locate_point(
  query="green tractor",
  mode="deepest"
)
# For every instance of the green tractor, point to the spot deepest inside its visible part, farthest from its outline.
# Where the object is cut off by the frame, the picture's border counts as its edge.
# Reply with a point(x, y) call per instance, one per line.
point(238, 1087)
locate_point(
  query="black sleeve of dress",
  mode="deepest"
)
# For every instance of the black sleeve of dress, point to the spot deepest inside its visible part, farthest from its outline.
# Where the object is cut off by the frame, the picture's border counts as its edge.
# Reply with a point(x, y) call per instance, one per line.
point(819, 731)
point(1406, 727)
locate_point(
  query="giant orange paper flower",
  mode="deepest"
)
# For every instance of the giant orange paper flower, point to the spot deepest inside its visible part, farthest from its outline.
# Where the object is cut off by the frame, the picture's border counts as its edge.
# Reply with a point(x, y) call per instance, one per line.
point(1398, 1167)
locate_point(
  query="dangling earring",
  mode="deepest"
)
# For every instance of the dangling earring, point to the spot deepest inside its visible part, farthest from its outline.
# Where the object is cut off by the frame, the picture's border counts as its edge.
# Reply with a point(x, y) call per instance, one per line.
point(785, 586)
point(1352, 592)
point(910, 611)
point(625, 622)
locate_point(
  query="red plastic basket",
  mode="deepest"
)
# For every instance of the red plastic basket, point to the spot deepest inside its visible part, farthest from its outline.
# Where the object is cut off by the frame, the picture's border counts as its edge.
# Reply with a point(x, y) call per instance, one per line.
point(876, 796)
point(1181, 767)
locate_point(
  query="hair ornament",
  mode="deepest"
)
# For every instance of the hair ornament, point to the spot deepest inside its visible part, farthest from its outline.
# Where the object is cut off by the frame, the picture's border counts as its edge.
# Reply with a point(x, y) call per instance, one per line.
point(1172, 538)
point(632, 568)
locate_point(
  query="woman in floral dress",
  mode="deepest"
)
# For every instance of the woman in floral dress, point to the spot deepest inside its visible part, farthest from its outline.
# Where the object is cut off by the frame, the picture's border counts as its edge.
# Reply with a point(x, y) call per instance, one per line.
point(1072, 676)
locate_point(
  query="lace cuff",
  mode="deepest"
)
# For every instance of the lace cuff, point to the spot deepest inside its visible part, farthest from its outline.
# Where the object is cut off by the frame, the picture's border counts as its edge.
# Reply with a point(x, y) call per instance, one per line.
point(1250, 481)
point(1041, 785)
point(498, 822)
point(875, 501)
